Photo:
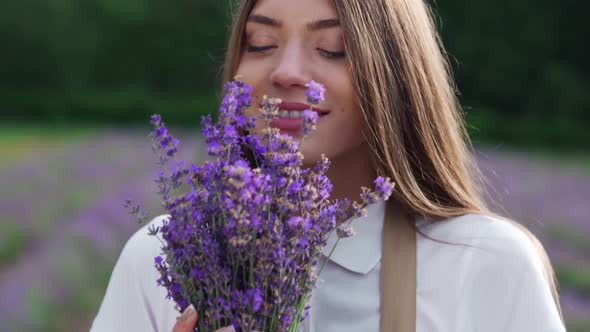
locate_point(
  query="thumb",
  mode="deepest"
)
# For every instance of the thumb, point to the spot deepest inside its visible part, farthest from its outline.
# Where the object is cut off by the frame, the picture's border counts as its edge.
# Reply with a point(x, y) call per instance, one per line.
point(186, 322)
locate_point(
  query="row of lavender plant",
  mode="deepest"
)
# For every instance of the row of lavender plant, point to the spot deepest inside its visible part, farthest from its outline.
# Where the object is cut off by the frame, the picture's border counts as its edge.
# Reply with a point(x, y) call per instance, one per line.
point(553, 201)
point(57, 272)
point(46, 193)
point(540, 196)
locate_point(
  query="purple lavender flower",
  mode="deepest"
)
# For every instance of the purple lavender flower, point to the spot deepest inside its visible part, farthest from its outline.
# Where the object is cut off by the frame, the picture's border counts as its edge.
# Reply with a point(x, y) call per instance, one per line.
point(310, 119)
point(242, 243)
point(155, 119)
point(164, 143)
point(358, 210)
point(295, 221)
point(315, 92)
point(383, 187)
point(270, 108)
point(238, 96)
point(369, 197)
point(344, 231)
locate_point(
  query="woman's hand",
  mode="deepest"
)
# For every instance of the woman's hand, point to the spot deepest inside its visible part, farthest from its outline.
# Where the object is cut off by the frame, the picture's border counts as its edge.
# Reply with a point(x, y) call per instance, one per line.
point(187, 321)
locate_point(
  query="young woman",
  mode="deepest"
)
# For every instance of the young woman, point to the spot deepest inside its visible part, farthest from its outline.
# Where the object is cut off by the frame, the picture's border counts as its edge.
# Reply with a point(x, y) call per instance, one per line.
point(434, 258)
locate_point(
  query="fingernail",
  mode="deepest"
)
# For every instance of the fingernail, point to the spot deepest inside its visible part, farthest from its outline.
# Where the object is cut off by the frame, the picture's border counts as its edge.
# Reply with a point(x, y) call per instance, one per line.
point(229, 328)
point(188, 312)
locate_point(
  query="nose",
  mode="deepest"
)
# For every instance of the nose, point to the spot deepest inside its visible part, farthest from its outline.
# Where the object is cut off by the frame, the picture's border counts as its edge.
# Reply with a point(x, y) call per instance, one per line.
point(291, 69)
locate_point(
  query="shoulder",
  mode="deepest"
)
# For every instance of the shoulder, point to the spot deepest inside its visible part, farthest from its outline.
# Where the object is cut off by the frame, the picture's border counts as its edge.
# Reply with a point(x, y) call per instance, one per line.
point(133, 301)
point(141, 248)
point(141, 239)
point(481, 243)
point(471, 225)
point(494, 276)
point(136, 260)
point(492, 235)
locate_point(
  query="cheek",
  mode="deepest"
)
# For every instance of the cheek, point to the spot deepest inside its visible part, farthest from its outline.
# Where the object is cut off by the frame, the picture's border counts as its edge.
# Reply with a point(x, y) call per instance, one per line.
point(253, 70)
point(344, 130)
point(347, 108)
point(348, 93)
point(349, 126)
point(340, 87)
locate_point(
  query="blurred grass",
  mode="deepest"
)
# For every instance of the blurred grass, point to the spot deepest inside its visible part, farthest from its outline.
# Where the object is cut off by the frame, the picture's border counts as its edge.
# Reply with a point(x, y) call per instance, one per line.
point(43, 313)
point(577, 326)
point(12, 242)
point(548, 133)
point(9, 133)
point(573, 277)
point(570, 237)
point(17, 142)
point(565, 159)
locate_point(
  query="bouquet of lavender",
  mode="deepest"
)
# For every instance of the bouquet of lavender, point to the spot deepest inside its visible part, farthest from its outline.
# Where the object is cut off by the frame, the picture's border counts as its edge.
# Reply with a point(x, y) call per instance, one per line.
point(243, 243)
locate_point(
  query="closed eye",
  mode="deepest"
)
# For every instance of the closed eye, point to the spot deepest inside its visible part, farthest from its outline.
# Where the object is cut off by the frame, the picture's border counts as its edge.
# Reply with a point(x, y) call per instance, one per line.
point(326, 53)
point(331, 55)
point(252, 48)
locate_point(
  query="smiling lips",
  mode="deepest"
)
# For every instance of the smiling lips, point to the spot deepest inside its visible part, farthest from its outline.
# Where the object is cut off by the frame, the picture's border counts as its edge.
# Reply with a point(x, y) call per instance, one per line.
point(294, 106)
point(291, 116)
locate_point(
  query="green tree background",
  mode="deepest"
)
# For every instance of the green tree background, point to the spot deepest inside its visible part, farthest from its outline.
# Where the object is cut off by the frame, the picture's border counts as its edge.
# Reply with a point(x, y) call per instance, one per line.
point(521, 65)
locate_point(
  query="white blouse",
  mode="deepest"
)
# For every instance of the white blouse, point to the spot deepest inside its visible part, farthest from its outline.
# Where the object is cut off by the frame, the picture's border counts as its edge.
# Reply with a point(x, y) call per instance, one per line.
point(495, 283)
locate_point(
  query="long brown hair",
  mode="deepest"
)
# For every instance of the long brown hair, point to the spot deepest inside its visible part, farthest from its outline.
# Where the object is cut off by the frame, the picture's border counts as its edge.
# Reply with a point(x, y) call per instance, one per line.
point(412, 118)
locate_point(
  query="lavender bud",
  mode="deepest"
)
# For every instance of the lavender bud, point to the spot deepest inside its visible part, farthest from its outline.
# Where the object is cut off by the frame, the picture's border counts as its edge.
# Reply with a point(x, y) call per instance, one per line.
point(155, 120)
point(293, 222)
point(358, 210)
point(344, 230)
point(368, 196)
point(384, 187)
point(270, 108)
point(322, 165)
point(310, 118)
point(315, 92)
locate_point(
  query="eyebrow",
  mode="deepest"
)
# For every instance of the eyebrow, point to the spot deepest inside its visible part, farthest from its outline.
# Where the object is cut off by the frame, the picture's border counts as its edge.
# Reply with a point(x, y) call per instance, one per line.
point(312, 26)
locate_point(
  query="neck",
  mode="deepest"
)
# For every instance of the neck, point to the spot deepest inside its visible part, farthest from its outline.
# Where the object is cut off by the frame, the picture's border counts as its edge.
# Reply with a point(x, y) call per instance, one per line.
point(351, 171)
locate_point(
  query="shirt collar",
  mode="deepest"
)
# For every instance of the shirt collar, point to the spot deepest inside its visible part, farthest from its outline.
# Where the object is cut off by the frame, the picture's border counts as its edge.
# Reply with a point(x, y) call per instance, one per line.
point(362, 252)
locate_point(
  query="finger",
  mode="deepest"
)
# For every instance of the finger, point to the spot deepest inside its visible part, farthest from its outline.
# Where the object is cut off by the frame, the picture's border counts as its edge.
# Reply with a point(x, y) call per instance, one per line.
point(229, 328)
point(186, 322)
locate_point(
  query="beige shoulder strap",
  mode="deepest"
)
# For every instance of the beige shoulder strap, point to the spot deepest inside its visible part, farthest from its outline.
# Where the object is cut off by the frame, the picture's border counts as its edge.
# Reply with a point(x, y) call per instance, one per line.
point(398, 272)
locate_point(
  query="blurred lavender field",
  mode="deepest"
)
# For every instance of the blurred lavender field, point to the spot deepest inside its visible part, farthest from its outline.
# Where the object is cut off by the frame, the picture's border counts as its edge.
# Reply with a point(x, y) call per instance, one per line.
point(63, 223)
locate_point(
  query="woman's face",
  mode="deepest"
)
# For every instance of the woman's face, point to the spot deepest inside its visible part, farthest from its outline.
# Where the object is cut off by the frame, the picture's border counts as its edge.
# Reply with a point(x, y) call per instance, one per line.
point(289, 43)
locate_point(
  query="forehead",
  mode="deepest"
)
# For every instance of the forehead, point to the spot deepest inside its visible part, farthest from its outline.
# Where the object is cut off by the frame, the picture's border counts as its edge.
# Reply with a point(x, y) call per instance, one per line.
point(295, 11)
